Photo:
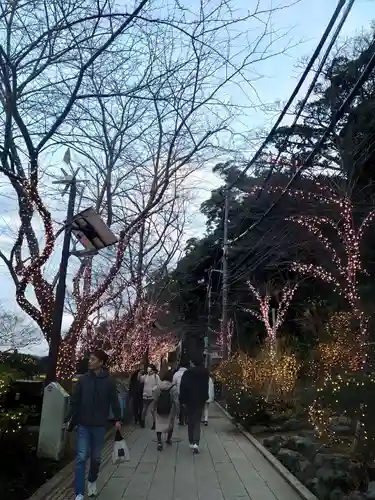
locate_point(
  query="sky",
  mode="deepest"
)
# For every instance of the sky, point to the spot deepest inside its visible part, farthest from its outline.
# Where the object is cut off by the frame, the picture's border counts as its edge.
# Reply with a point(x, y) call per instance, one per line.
point(305, 23)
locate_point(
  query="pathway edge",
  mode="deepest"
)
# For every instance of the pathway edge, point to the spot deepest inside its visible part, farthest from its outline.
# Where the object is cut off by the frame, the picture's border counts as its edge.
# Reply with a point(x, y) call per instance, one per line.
point(276, 464)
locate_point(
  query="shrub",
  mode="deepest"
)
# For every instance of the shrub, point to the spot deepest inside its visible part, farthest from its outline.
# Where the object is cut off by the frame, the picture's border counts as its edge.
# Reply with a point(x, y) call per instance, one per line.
point(10, 421)
point(269, 375)
point(344, 412)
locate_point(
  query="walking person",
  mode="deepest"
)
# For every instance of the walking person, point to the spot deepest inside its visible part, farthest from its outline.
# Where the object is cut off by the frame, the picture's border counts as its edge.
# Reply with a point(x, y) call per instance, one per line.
point(95, 394)
point(194, 394)
point(211, 398)
point(177, 381)
point(136, 396)
point(150, 380)
point(166, 408)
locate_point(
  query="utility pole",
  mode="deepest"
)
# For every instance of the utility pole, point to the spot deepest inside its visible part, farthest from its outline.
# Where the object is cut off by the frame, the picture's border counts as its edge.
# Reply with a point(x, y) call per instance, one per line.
point(55, 339)
point(209, 318)
point(224, 318)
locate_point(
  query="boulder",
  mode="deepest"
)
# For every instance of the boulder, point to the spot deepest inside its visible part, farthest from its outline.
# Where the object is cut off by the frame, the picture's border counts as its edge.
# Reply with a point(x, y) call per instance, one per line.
point(354, 495)
point(354, 471)
point(336, 478)
point(304, 445)
point(342, 430)
point(319, 489)
point(331, 460)
point(274, 443)
point(336, 494)
point(293, 424)
point(297, 464)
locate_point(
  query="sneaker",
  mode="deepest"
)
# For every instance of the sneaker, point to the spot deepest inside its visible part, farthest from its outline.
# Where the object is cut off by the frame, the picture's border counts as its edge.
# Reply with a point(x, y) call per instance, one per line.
point(191, 446)
point(80, 497)
point(160, 447)
point(91, 489)
point(205, 423)
point(195, 448)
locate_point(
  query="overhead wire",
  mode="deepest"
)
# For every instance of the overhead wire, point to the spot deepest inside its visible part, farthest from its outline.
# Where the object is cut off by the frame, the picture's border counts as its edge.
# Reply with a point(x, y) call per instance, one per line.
point(335, 119)
point(295, 92)
point(304, 102)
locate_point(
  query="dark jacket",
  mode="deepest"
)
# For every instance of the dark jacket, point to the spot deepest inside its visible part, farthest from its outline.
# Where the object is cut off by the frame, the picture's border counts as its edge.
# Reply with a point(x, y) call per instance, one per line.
point(135, 386)
point(92, 398)
point(194, 387)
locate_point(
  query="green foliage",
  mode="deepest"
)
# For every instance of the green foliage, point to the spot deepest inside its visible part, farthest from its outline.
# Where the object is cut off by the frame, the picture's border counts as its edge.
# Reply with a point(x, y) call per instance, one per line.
point(344, 412)
point(24, 365)
point(10, 421)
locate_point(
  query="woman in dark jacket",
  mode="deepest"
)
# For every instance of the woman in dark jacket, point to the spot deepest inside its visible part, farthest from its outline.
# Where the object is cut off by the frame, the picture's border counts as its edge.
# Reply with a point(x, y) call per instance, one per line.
point(136, 396)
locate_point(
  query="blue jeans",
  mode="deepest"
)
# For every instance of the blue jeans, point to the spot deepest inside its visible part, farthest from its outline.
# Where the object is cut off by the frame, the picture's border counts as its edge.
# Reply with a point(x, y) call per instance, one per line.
point(90, 442)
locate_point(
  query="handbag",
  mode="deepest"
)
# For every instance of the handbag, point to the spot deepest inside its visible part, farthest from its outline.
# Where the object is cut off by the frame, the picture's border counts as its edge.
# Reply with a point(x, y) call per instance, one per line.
point(120, 452)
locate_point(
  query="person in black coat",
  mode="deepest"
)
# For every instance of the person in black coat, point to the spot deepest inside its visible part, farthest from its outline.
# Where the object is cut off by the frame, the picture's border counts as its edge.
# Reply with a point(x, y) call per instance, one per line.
point(136, 396)
point(194, 394)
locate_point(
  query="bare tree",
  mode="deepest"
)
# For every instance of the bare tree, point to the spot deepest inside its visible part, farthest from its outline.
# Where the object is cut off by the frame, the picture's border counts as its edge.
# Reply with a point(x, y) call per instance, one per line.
point(141, 97)
point(15, 332)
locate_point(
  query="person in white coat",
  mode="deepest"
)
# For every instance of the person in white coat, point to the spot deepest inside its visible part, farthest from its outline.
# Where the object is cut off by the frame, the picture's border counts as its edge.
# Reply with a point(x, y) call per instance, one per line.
point(211, 398)
point(150, 380)
point(165, 407)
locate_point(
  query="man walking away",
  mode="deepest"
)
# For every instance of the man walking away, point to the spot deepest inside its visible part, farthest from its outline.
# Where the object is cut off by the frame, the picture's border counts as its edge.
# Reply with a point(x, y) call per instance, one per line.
point(177, 377)
point(194, 394)
point(149, 380)
point(136, 396)
point(93, 397)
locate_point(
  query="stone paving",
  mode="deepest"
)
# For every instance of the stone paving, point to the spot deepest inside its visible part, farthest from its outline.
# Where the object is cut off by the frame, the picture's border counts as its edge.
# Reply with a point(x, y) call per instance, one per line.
point(228, 468)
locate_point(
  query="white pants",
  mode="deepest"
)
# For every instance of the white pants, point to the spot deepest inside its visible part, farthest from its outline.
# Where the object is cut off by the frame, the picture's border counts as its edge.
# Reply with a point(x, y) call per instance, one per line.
point(205, 412)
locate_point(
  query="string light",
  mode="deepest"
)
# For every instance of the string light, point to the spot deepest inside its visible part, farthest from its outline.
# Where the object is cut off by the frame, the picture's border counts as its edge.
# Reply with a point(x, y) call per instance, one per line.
point(340, 351)
point(260, 374)
point(10, 420)
point(225, 337)
point(264, 306)
point(350, 397)
point(347, 269)
point(127, 336)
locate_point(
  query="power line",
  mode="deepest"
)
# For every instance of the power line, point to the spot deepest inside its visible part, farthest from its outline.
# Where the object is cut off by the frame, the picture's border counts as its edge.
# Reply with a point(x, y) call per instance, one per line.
point(305, 99)
point(295, 92)
point(336, 118)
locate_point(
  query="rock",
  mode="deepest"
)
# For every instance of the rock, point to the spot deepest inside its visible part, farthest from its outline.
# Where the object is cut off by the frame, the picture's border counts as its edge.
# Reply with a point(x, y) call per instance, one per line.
point(331, 460)
point(341, 420)
point(354, 471)
point(293, 424)
point(304, 445)
point(274, 443)
point(336, 494)
point(297, 464)
point(319, 489)
point(370, 493)
point(290, 459)
point(336, 478)
point(354, 495)
point(306, 471)
point(342, 430)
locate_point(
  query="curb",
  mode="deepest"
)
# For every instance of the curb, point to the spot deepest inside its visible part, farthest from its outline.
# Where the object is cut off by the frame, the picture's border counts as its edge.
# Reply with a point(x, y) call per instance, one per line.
point(299, 488)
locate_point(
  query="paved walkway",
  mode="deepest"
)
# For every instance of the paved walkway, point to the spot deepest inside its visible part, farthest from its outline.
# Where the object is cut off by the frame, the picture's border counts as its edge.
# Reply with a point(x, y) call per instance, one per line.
point(228, 468)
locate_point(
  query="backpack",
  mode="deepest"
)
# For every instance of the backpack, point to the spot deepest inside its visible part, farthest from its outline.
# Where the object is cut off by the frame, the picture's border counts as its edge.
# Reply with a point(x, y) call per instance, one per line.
point(164, 403)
